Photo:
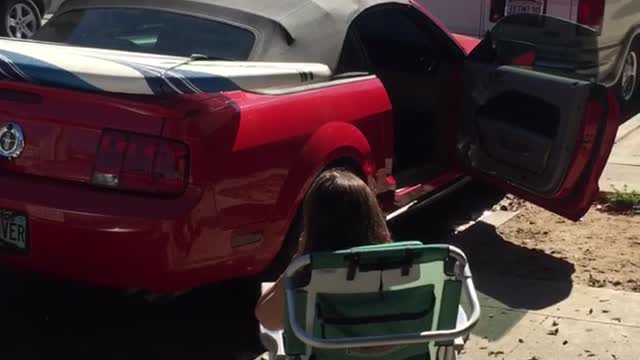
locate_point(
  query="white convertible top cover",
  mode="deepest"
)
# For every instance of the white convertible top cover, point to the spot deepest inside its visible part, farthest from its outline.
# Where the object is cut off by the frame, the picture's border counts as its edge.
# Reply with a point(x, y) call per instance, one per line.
point(97, 70)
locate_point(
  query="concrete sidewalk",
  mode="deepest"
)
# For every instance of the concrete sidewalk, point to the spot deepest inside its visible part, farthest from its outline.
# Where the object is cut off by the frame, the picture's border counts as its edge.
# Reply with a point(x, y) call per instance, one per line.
point(623, 168)
point(589, 324)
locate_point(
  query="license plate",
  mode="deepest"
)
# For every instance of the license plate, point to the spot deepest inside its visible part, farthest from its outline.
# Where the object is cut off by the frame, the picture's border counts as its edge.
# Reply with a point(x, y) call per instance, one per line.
point(14, 231)
point(524, 7)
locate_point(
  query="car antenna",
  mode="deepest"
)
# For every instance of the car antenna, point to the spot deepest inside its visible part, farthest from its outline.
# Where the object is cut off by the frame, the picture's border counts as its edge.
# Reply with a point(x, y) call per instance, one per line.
point(192, 58)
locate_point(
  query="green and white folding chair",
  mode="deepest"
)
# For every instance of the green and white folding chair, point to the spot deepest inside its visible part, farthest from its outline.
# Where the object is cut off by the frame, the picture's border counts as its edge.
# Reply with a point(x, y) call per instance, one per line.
point(397, 301)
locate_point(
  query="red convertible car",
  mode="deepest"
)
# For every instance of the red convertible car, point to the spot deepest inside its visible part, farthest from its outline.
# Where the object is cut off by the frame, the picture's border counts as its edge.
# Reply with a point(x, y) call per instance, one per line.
point(162, 145)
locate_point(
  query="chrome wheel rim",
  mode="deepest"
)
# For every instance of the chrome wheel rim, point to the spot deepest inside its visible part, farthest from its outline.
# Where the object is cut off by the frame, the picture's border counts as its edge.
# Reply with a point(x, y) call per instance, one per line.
point(22, 21)
point(629, 75)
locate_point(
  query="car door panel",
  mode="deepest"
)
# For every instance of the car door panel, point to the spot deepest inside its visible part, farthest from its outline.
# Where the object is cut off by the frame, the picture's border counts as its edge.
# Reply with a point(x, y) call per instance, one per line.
point(576, 198)
point(527, 125)
point(513, 145)
point(541, 133)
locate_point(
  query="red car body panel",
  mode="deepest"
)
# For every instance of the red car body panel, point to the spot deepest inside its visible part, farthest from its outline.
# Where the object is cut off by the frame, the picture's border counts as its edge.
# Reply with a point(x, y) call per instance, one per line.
point(468, 43)
point(256, 196)
point(232, 219)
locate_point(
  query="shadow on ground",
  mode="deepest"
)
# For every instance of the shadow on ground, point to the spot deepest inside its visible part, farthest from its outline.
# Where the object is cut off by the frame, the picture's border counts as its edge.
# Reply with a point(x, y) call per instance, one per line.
point(502, 273)
point(43, 319)
point(492, 257)
point(500, 268)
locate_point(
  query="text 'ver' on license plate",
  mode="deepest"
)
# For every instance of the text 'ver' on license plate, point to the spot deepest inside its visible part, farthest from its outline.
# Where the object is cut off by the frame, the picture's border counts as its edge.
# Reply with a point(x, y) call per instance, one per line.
point(524, 7)
point(14, 231)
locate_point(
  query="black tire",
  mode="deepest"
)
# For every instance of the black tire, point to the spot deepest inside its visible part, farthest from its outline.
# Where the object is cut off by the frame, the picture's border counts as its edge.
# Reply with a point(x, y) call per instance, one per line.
point(24, 11)
point(628, 86)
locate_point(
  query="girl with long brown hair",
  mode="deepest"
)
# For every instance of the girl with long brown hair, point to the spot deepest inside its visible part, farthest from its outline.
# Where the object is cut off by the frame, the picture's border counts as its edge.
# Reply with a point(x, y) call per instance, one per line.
point(339, 212)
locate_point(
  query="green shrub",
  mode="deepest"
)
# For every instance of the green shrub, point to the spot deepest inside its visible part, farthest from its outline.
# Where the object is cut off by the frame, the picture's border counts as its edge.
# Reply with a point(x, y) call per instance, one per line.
point(622, 199)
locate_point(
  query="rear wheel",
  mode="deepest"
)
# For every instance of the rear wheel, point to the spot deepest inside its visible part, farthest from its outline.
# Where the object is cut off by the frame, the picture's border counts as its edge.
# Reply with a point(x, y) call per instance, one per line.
point(19, 19)
point(627, 86)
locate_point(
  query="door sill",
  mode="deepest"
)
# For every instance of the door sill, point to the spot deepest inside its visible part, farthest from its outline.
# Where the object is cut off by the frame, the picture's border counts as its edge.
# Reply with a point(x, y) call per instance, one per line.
point(409, 178)
point(421, 190)
point(420, 202)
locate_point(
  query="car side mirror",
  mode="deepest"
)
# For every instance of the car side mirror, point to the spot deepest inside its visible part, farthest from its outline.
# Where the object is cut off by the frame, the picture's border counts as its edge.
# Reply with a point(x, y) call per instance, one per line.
point(516, 53)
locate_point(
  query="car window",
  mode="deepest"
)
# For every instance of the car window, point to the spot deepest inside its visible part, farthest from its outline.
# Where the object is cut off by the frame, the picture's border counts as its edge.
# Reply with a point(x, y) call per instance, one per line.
point(394, 41)
point(150, 31)
point(560, 46)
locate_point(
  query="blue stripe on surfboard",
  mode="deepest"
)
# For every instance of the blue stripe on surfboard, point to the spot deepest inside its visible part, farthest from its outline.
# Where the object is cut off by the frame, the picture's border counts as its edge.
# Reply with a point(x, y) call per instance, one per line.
point(41, 72)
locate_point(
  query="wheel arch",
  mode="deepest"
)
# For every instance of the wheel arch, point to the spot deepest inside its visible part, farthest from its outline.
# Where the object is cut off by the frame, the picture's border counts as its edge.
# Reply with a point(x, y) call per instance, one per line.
point(336, 144)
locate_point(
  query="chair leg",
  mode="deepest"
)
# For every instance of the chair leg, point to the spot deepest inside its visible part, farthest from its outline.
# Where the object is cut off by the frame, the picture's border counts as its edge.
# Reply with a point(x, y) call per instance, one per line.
point(446, 353)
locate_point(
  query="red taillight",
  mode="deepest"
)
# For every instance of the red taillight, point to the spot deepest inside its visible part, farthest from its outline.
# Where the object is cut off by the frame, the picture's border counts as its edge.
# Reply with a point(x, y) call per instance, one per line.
point(497, 10)
point(591, 13)
point(140, 163)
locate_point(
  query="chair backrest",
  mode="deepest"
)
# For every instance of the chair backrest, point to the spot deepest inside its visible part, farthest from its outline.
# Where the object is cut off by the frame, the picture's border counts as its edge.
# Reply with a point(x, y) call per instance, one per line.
point(373, 291)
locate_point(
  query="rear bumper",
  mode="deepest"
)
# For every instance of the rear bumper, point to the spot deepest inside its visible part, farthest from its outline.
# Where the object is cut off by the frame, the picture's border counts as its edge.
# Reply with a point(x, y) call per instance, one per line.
point(102, 238)
point(610, 64)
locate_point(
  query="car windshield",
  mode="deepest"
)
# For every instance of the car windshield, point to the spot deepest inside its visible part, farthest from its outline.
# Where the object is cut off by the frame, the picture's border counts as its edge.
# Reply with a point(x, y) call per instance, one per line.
point(149, 31)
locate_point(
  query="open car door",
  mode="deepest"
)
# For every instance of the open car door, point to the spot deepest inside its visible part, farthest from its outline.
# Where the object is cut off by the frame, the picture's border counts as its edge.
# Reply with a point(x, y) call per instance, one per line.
point(536, 123)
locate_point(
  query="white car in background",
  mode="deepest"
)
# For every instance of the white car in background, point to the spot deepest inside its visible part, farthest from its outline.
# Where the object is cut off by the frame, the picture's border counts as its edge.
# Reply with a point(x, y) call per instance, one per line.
point(617, 21)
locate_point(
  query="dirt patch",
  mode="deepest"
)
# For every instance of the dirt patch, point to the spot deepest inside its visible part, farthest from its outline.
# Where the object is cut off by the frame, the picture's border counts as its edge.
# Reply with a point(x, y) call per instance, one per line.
point(604, 248)
point(510, 203)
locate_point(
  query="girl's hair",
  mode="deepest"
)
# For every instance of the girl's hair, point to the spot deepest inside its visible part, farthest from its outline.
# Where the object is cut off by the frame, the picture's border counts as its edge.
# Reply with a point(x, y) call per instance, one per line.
point(341, 212)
